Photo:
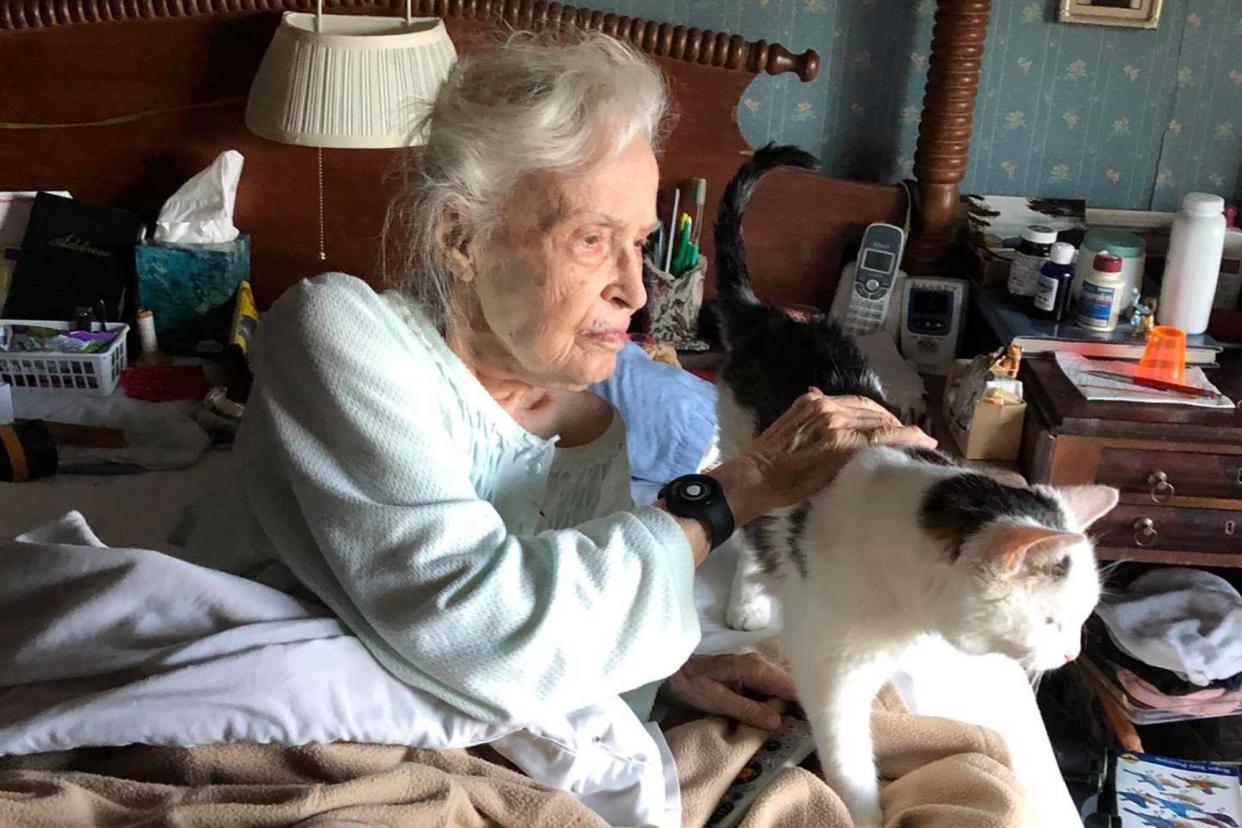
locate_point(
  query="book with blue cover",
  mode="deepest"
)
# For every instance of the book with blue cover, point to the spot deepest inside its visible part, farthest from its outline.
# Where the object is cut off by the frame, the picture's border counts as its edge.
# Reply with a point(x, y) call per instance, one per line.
point(1159, 792)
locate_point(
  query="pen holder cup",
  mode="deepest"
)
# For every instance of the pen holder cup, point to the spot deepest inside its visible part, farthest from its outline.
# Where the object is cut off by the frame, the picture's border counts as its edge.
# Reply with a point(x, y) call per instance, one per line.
point(673, 304)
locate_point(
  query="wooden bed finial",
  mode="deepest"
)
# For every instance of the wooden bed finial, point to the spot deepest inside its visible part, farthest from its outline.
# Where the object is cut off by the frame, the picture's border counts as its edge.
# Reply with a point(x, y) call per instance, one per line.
point(685, 43)
point(944, 131)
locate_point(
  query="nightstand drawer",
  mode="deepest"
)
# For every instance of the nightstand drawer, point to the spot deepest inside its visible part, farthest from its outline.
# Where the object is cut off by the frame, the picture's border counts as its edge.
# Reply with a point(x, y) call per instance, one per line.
point(1163, 475)
point(1157, 528)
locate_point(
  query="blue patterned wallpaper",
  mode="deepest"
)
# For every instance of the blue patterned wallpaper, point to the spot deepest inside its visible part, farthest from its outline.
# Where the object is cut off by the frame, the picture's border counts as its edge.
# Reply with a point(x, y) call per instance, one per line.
point(1126, 118)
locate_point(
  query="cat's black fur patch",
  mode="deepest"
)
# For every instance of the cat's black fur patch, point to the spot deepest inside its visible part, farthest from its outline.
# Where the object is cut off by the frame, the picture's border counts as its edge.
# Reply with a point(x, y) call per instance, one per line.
point(773, 358)
point(797, 531)
point(776, 539)
point(957, 507)
point(930, 456)
point(761, 534)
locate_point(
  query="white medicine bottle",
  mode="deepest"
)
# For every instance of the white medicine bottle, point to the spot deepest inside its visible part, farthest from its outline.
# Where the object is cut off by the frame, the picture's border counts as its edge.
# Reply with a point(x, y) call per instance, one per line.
point(1196, 244)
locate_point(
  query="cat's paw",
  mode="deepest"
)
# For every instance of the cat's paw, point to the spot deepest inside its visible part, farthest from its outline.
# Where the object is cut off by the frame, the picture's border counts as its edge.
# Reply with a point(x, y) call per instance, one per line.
point(752, 614)
point(865, 814)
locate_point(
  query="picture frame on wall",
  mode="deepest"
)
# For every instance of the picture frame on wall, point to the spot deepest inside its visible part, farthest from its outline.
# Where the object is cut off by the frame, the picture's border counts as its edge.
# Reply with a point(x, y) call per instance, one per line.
point(1139, 14)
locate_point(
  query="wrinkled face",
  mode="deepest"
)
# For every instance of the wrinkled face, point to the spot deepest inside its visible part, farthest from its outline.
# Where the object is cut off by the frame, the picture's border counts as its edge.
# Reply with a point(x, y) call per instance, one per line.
point(556, 282)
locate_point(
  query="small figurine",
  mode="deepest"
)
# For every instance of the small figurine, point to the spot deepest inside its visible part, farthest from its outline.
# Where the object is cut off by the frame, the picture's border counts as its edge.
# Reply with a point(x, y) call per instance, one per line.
point(1008, 364)
point(1144, 318)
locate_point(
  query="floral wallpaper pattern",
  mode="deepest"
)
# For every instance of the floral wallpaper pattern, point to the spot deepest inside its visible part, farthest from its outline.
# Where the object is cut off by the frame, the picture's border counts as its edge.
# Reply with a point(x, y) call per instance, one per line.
point(1123, 117)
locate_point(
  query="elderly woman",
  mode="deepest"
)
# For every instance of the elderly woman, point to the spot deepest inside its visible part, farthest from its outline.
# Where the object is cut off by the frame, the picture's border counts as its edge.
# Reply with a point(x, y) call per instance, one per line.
point(427, 462)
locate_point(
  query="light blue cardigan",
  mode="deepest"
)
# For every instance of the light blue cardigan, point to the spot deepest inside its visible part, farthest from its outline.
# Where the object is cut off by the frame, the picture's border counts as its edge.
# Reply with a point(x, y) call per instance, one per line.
point(475, 560)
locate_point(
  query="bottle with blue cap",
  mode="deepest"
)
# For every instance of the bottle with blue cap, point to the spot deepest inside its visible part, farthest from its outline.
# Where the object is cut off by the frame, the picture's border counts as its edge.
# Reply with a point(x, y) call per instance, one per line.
point(1052, 291)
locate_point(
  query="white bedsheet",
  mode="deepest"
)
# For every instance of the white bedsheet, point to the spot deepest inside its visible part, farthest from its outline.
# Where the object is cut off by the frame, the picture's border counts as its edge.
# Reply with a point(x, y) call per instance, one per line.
point(107, 647)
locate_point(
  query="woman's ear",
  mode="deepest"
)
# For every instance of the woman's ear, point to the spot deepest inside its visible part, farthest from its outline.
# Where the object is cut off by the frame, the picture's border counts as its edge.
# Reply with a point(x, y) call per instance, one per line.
point(453, 238)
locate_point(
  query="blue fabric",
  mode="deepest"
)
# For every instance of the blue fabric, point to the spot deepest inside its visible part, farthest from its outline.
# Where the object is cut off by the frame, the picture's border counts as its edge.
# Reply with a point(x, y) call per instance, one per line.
point(669, 415)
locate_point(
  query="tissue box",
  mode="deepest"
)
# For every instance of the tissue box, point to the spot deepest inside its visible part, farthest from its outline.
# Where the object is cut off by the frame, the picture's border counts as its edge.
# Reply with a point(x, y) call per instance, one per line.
point(995, 431)
point(190, 289)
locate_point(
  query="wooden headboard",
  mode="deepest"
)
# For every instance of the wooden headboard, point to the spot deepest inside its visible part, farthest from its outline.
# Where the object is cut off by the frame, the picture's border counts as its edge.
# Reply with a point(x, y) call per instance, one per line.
point(185, 66)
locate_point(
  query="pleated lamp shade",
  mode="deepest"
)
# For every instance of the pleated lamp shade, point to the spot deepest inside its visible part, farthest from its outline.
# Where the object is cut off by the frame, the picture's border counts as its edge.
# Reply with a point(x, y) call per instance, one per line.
point(346, 81)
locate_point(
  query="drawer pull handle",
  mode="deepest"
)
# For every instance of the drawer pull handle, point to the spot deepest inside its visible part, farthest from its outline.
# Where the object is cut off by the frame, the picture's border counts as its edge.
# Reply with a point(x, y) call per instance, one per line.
point(1229, 527)
point(1144, 532)
point(1161, 489)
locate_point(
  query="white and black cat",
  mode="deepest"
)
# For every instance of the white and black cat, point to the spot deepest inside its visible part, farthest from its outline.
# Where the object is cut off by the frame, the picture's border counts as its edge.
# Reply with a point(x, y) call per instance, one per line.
point(904, 543)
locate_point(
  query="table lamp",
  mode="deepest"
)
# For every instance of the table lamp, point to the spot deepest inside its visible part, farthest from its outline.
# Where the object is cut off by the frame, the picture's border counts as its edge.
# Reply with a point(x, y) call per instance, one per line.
point(348, 81)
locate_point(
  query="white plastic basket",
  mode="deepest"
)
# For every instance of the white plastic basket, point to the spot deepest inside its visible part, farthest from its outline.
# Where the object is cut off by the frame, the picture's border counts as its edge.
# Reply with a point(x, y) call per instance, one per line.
point(87, 375)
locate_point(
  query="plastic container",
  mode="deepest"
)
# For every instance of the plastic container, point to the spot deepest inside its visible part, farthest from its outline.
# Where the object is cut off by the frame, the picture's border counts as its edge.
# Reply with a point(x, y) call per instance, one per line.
point(1103, 294)
point(1164, 358)
point(84, 375)
point(1193, 264)
point(1028, 260)
point(1129, 247)
point(1052, 291)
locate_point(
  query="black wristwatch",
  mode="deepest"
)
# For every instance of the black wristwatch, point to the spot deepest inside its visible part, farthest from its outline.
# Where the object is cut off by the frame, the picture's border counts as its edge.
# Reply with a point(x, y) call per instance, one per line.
point(700, 498)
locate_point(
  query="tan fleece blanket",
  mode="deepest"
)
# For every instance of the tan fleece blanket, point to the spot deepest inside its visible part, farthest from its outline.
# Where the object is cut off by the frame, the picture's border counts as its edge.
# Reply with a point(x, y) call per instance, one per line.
point(943, 774)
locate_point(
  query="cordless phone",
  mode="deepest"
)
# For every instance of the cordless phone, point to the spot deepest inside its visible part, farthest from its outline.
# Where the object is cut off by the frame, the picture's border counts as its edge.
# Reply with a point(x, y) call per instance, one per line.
point(866, 288)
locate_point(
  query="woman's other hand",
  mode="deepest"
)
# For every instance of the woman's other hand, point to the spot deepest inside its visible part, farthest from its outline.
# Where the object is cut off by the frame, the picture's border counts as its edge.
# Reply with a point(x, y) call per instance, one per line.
point(801, 453)
point(721, 685)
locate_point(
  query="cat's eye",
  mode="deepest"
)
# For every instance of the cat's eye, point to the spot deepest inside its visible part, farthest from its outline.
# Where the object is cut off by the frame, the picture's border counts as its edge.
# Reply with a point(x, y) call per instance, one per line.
point(1050, 620)
point(1060, 569)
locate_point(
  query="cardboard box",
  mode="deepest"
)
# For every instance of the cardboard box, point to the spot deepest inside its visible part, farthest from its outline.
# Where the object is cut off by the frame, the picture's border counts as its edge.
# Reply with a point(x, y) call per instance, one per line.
point(995, 430)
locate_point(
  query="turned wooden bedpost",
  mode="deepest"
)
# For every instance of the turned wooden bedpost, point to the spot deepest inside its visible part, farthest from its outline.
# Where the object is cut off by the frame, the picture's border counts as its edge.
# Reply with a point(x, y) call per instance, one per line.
point(944, 132)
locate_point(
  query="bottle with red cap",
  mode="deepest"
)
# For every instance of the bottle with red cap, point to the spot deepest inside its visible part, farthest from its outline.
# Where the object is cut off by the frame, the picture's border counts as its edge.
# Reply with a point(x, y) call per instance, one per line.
point(1103, 294)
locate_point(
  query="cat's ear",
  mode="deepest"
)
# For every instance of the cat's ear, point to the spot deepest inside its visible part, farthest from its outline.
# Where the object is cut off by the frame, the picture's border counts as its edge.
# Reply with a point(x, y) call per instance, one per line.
point(1087, 504)
point(1017, 544)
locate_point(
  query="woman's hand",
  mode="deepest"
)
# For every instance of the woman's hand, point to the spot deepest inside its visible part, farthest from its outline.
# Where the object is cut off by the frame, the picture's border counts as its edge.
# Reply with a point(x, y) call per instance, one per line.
point(715, 685)
point(803, 450)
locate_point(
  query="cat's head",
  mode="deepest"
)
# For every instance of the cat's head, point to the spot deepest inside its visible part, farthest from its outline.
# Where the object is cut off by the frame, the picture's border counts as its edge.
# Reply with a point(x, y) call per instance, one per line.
point(1030, 567)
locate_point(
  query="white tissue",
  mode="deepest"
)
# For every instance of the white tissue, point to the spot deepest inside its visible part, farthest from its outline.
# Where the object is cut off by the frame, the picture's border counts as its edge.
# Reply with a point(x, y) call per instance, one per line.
point(201, 212)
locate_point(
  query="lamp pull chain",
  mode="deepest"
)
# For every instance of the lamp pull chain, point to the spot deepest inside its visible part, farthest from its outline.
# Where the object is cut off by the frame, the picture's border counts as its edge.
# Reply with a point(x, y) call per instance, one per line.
point(323, 256)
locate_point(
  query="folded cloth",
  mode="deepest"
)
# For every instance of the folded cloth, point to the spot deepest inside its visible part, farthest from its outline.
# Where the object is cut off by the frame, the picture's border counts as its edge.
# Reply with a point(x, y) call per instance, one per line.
point(1185, 620)
point(1110, 659)
point(1206, 703)
point(669, 415)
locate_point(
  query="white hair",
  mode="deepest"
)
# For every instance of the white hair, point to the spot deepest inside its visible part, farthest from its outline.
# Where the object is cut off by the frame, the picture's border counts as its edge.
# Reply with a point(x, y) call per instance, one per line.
point(531, 104)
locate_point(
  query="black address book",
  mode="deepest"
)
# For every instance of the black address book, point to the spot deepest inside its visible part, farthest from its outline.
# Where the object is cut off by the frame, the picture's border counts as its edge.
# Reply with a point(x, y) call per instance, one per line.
point(76, 255)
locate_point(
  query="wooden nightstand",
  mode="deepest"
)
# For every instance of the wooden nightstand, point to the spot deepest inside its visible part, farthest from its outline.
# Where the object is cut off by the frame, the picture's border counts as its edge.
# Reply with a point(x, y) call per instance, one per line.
point(1179, 468)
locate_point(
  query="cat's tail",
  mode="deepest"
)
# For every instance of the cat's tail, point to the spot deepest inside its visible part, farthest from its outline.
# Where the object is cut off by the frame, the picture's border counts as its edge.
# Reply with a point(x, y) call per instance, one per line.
point(732, 277)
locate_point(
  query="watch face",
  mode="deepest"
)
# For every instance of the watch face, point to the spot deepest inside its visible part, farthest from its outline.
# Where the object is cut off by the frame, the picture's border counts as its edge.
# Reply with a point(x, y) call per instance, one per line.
point(693, 490)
